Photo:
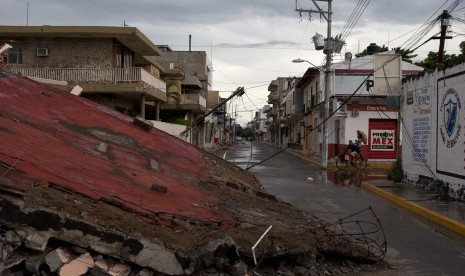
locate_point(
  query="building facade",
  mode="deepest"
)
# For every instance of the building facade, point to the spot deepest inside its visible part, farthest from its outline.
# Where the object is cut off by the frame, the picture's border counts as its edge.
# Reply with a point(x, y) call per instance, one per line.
point(187, 96)
point(111, 65)
point(364, 95)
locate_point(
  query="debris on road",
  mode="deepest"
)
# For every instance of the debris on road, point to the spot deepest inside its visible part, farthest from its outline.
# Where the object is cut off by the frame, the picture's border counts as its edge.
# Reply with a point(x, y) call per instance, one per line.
point(85, 191)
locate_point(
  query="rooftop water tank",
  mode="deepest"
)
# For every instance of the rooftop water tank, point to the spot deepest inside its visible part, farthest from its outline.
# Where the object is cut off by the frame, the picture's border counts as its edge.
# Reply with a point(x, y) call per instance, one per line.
point(373, 49)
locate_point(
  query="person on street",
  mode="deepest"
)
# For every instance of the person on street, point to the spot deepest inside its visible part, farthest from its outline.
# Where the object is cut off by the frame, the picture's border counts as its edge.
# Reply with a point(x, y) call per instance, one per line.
point(353, 148)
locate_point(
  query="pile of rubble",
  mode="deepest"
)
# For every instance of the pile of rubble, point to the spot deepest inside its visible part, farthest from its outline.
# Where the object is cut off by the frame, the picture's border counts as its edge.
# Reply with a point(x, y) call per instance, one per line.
point(26, 254)
point(85, 190)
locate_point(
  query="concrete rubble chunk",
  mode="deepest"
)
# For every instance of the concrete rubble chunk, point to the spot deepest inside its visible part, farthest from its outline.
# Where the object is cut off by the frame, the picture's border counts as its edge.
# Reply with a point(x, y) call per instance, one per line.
point(119, 270)
point(154, 166)
point(97, 272)
point(101, 264)
point(145, 272)
point(37, 241)
point(158, 258)
point(102, 147)
point(5, 251)
point(57, 258)
point(78, 266)
point(13, 260)
point(32, 263)
point(12, 238)
point(239, 269)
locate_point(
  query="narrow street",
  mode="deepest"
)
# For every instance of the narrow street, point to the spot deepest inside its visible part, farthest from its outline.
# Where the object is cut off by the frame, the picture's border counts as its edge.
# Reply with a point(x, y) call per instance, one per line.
point(415, 246)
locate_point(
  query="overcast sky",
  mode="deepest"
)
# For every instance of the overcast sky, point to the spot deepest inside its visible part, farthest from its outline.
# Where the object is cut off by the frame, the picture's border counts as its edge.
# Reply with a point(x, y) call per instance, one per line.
point(250, 42)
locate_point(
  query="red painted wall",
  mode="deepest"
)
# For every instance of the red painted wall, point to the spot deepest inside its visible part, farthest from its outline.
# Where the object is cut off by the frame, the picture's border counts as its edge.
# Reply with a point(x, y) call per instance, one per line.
point(375, 126)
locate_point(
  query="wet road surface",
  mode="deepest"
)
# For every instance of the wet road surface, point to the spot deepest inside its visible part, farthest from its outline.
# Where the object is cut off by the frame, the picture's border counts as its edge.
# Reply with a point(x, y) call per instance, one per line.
point(415, 246)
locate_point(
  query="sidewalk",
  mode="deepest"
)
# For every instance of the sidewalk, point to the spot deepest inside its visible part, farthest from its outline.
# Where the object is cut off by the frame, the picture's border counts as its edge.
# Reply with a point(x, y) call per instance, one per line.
point(446, 214)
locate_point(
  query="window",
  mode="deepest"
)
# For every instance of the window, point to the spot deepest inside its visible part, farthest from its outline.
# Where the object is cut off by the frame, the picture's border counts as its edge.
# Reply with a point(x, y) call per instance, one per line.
point(15, 56)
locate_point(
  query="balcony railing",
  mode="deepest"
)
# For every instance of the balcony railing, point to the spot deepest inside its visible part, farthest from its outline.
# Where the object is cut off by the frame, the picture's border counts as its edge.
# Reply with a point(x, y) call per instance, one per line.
point(113, 75)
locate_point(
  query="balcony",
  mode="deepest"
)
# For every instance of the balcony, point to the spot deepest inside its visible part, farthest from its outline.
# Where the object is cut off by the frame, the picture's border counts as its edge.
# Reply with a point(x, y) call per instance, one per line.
point(112, 80)
point(194, 102)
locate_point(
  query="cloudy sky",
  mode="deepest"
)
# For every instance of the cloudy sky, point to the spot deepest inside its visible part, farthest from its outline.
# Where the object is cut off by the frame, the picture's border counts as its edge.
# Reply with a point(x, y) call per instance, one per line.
point(250, 42)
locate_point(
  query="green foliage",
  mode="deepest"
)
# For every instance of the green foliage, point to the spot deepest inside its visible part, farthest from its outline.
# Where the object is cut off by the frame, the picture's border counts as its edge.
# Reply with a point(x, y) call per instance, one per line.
point(365, 53)
point(396, 173)
point(407, 55)
point(432, 58)
point(178, 121)
point(244, 132)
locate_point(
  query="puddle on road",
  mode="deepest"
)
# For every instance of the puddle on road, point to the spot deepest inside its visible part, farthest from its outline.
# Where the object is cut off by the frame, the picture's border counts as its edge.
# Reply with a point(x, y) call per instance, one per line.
point(351, 178)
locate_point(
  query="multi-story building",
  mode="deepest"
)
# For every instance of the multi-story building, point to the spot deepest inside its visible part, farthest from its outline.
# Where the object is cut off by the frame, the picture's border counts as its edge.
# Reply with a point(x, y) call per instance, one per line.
point(187, 97)
point(111, 65)
point(260, 124)
point(310, 88)
point(364, 95)
point(215, 127)
point(278, 88)
point(293, 111)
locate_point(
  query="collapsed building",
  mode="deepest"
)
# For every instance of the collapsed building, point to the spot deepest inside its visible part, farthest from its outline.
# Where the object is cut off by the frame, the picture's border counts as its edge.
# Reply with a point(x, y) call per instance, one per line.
point(87, 190)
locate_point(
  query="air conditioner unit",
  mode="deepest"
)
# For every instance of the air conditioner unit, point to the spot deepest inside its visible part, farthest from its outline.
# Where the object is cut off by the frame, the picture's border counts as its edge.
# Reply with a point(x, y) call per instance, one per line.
point(355, 113)
point(42, 52)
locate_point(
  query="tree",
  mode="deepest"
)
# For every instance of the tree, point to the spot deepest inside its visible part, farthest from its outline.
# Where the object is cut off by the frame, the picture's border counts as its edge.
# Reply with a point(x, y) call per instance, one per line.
point(407, 55)
point(246, 132)
point(430, 62)
point(365, 52)
point(462, 47)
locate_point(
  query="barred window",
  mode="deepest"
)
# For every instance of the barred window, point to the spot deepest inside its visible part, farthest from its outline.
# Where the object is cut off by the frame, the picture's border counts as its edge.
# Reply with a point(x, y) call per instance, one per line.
point(15, 56)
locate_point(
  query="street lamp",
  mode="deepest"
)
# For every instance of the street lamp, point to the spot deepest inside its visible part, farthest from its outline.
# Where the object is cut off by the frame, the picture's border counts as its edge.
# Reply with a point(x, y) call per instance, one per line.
point(328, 50)
point(299, 60)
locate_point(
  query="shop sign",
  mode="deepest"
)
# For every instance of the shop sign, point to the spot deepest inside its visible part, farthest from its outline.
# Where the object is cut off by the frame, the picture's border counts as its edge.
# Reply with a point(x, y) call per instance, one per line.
point(382, 139)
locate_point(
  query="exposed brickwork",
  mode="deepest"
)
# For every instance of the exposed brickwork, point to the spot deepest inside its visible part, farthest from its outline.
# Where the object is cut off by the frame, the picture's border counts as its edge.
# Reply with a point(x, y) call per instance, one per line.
point(66, 52)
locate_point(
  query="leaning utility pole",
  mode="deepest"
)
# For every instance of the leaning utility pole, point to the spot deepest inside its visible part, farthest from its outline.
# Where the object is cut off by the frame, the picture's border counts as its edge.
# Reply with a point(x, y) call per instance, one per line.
point(328, 50)
point(239, 92)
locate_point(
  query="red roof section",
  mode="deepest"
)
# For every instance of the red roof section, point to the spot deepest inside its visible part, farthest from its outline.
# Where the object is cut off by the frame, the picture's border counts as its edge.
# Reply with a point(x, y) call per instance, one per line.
point(48, 135)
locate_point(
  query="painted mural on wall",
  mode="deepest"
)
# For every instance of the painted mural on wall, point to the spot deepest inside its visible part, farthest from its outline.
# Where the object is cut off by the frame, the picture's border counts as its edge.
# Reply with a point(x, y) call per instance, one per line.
point(382, 139)
point(450, 121)
point(421, 125)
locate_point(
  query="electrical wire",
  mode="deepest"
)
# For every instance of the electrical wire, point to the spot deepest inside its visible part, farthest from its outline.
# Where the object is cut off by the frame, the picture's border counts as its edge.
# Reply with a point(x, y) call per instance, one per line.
point(355, 16)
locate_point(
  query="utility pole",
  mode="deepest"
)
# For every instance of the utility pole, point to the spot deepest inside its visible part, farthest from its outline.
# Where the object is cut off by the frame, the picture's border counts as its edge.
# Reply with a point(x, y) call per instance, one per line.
point(239, 92)
point(328, 50)
point(444, 24)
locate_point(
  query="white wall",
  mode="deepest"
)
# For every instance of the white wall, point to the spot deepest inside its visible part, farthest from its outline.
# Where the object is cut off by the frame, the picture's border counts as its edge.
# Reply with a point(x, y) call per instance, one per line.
point(172, 129)
point(349, 125)
point(435, 151)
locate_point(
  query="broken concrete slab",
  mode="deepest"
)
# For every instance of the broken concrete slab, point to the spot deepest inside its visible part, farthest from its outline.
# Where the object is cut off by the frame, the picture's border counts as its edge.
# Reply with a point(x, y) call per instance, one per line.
point(101, 264)
point(57, 258)
point(37, 240)
point(119, 270)
point(158, 258)
point(78, 266)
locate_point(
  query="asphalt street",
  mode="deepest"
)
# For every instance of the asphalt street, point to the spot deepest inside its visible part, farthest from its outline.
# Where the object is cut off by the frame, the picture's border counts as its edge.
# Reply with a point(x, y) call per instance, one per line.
point(415, 246)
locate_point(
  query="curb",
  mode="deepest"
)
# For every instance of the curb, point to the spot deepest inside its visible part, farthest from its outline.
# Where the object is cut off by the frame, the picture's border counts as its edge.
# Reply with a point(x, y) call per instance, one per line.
point(433, 216)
